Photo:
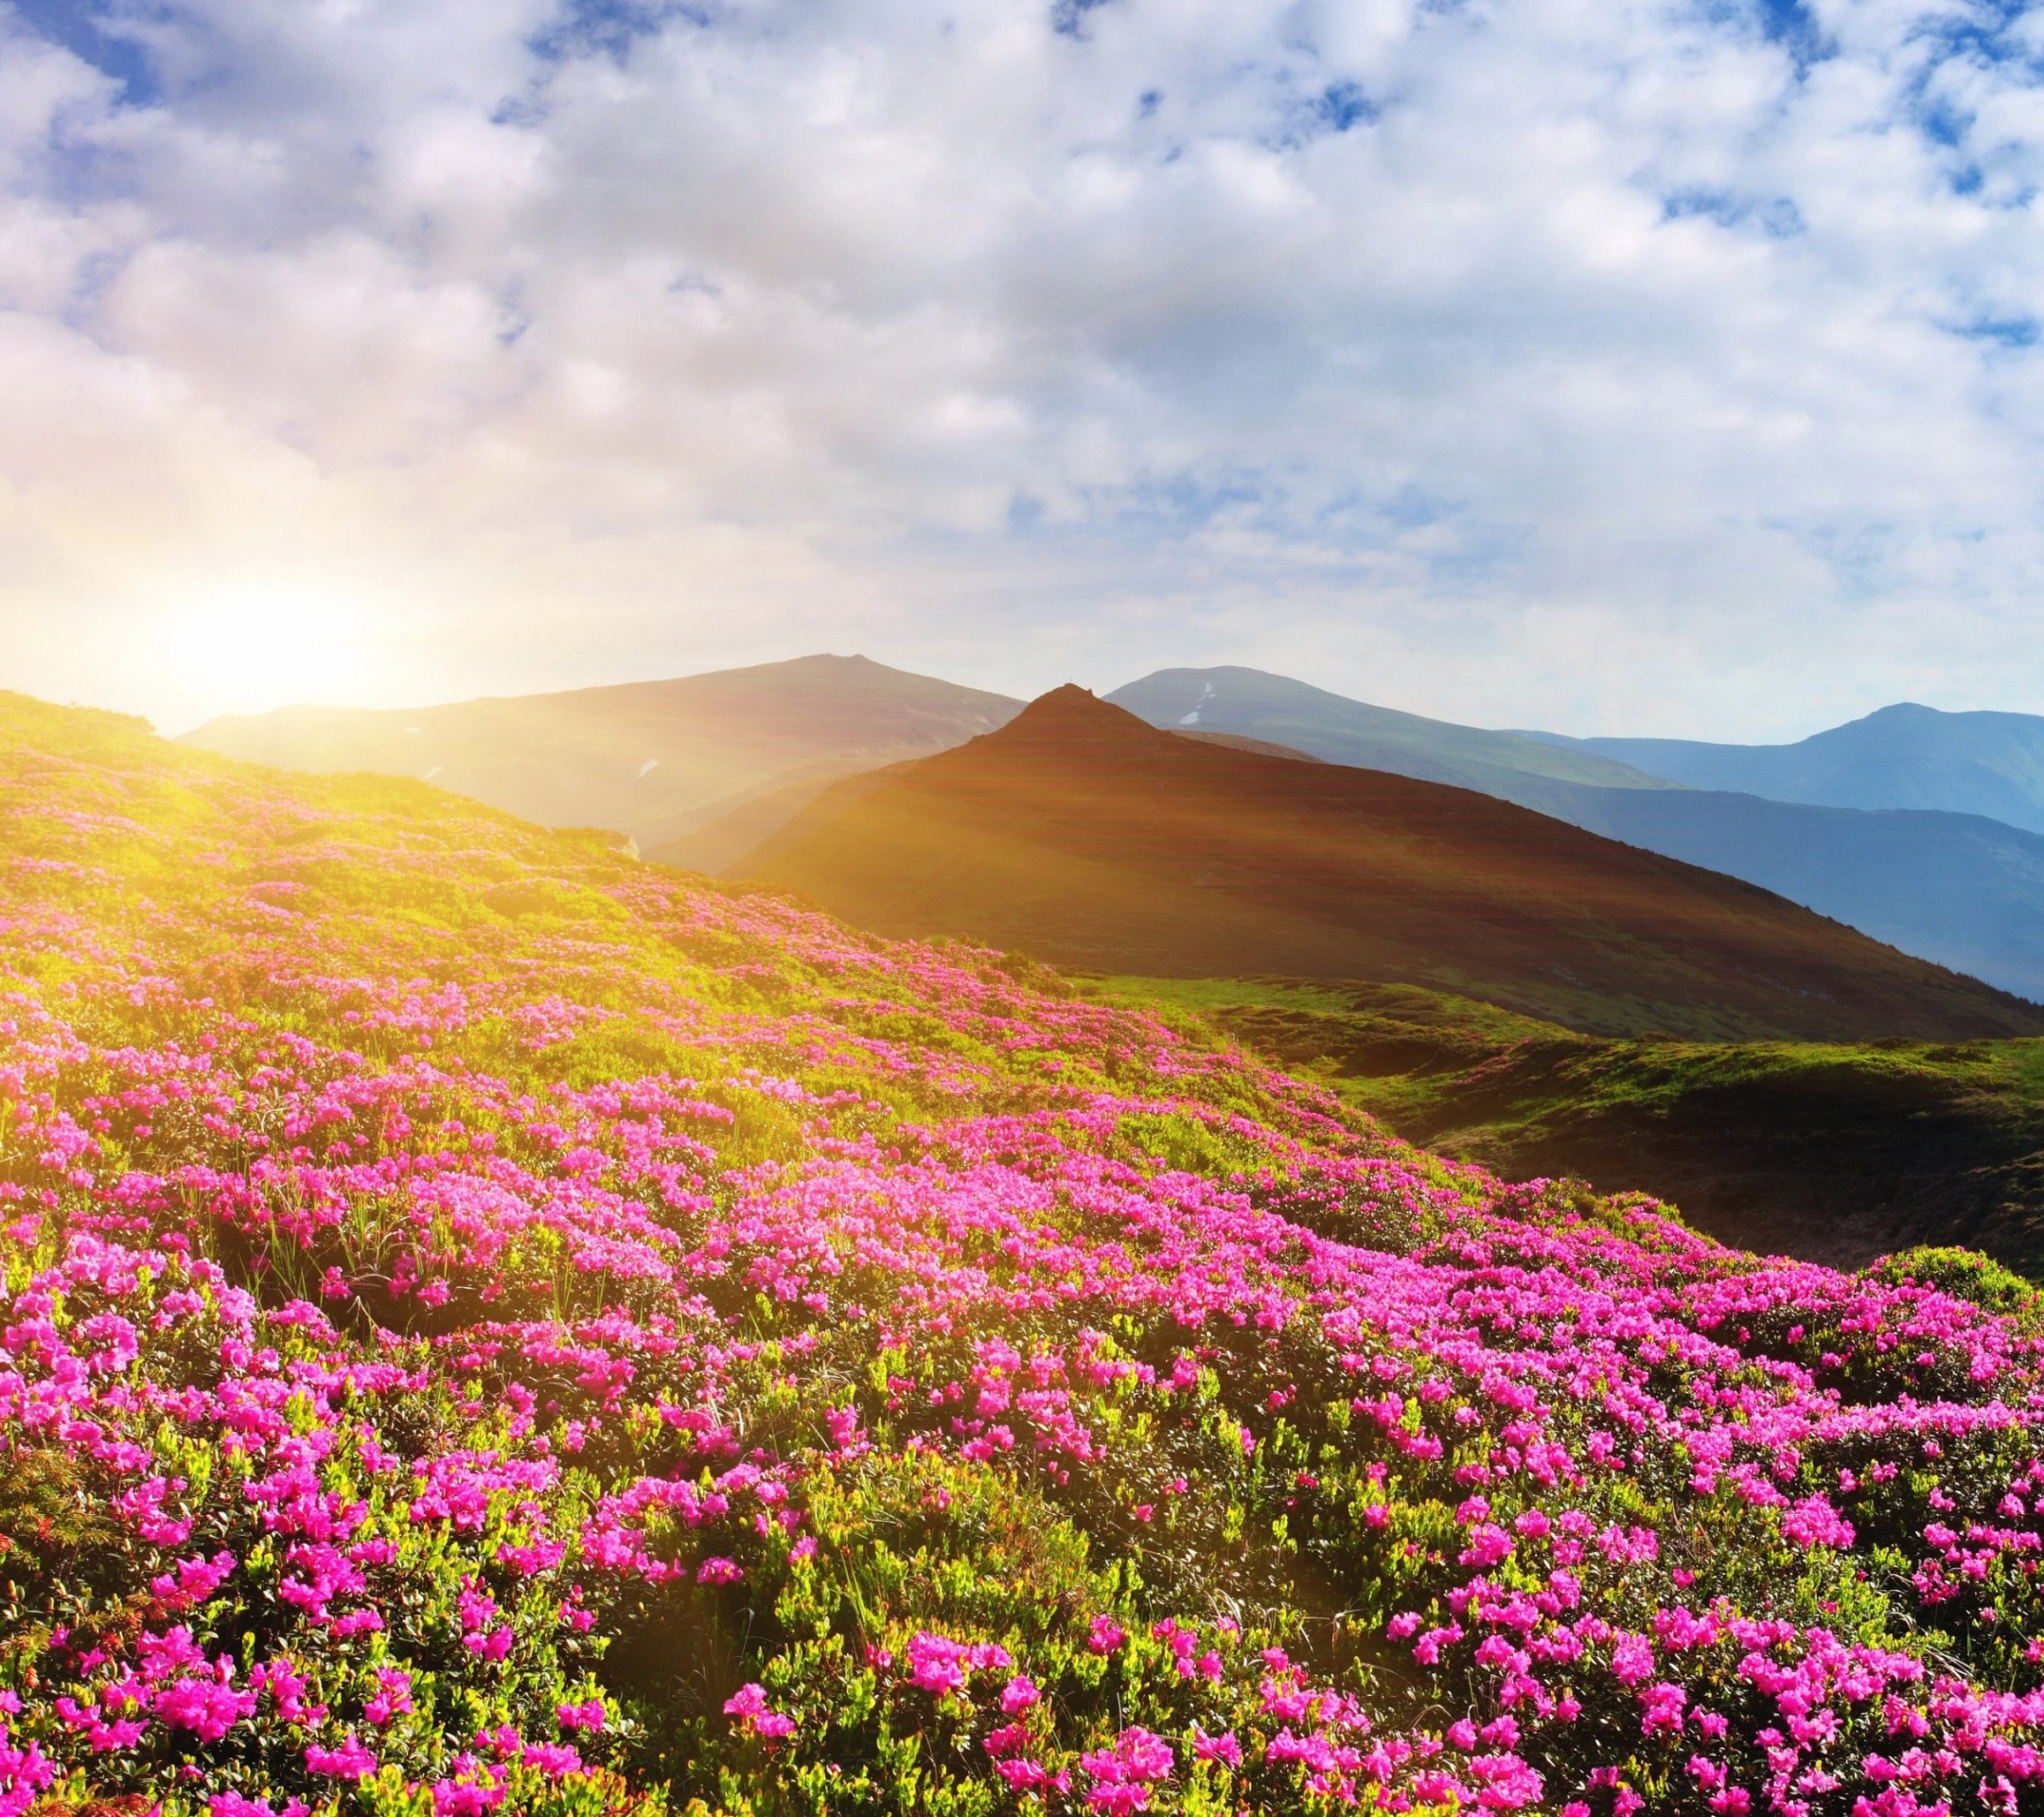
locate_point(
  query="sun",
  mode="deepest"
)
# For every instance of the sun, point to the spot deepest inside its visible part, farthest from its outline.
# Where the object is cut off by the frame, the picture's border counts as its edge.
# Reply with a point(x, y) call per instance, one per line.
point(250, 651)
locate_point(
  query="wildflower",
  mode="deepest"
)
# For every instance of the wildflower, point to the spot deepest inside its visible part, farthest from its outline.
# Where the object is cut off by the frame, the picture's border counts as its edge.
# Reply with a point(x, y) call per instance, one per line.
point(1123, 1776)
point(348, 1760)
point(748, 1704)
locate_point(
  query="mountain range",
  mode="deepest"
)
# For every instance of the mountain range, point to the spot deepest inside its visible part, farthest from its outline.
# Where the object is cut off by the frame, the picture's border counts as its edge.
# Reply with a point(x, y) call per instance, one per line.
point(1923, 829)
point(1080, 834)
point(1962, 889)
point(1248, 703)
point(1904, 755)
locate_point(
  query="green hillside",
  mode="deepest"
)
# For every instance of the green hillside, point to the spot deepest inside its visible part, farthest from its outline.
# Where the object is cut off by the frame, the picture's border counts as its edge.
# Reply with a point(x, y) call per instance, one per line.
point(1836, 1152)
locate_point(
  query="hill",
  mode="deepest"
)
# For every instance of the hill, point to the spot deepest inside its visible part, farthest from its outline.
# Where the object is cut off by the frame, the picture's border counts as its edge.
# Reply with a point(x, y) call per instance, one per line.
point(1083, 836)
point(1904, 755)
point(651, 759)
point(727, 842)
point(1836, 1153)
point(1960, 889)
point(1250, 703)
point(492, 1326)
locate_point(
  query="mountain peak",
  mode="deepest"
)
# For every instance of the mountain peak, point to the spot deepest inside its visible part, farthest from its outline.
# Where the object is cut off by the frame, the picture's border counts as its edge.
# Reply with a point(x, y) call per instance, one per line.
point(1073, 713)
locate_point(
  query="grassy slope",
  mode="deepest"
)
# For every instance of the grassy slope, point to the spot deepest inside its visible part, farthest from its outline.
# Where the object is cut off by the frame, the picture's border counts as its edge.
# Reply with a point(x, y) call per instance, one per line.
point(489, 1326)
point(1833, 1153)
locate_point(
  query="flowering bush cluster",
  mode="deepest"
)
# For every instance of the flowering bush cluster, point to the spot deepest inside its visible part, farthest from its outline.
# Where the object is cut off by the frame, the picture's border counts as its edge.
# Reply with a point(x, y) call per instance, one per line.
point(490, 1325)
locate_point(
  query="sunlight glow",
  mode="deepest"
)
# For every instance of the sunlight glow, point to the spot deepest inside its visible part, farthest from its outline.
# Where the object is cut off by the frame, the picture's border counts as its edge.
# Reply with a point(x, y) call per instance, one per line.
point(251, 650)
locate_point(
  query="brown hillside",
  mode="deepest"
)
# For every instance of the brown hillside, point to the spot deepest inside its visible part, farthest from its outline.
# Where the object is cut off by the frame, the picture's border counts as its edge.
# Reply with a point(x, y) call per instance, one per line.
point(1078, 834)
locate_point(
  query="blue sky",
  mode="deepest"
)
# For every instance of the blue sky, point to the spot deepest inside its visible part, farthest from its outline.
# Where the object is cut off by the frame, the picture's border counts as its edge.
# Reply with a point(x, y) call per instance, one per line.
point(1576, 362)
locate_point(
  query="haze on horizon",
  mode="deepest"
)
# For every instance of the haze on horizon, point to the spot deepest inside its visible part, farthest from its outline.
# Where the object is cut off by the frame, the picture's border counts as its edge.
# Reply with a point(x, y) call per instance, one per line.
point(1664, 369)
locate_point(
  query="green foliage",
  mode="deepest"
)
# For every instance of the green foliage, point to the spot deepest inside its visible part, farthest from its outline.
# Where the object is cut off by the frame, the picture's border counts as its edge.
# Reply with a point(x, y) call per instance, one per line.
point(1838, 1151)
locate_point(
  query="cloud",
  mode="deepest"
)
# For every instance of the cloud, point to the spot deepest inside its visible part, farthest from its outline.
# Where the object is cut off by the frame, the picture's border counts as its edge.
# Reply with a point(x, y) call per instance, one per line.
point(1608, 366)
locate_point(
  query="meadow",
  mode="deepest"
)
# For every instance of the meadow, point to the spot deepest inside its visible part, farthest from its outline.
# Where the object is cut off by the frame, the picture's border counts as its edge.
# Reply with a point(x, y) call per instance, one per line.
point(491, 1324)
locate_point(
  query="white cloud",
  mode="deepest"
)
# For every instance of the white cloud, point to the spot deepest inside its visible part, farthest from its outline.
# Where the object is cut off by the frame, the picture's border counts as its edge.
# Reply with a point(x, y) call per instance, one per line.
point(1608, 365)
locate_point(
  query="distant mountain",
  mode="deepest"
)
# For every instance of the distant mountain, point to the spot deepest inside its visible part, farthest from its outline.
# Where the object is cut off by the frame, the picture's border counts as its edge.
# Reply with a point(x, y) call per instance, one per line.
point(1083, 836)
point(1902, 756)
point(1960, 889)
point(653, 759)
point(1249, 703)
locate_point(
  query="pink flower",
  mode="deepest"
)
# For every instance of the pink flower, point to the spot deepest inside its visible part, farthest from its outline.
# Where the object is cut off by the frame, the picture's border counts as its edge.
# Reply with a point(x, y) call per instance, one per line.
point(1632, 1658)
point(553, 1758)
point(1814, 1521)
point(754, 1716)
point(350, 1760)
point(393, 1697)
point(1123, 1776)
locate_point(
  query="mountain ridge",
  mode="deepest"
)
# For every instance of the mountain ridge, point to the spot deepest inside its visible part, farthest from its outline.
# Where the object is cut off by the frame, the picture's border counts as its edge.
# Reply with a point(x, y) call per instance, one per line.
point(1255, 703)
point(1081, 835)
point(1904, 755)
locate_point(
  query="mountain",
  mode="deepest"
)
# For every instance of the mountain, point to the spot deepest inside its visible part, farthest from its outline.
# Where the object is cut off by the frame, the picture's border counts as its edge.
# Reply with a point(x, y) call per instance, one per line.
point(1249, 703)
point(1958, 890)
point(721, 844)
point(652, 759)
point(1085, 837)
point(1839, 1152)
point(1903, 756)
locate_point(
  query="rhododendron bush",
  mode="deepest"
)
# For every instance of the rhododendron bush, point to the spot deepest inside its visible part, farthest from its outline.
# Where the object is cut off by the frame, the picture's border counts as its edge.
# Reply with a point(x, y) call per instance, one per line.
point(489, 1325)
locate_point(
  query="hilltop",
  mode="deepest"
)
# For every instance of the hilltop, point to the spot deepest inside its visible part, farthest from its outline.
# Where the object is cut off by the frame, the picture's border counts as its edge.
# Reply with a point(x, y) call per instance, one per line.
point(650, 759)
point(1080, 834)
point(489, 1325)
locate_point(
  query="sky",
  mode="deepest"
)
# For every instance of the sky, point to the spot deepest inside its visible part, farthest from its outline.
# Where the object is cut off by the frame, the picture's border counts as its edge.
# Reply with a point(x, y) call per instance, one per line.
point(1610, 367)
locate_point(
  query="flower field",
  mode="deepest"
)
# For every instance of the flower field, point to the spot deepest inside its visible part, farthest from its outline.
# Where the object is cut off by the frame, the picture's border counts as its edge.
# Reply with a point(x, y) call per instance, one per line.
point(489, 1325)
